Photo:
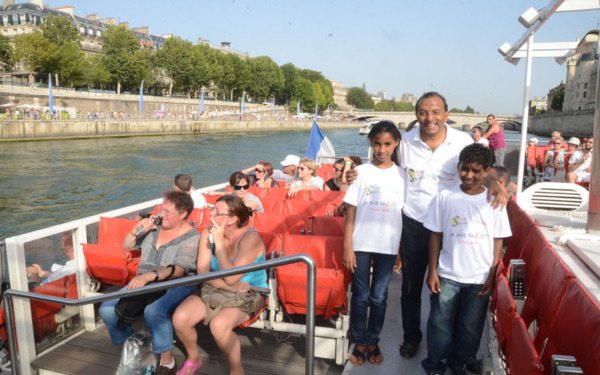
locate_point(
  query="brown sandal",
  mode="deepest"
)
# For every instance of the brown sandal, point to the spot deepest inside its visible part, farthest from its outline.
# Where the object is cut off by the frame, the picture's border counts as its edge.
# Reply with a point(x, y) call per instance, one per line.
point(374, 355)
point(359, 357)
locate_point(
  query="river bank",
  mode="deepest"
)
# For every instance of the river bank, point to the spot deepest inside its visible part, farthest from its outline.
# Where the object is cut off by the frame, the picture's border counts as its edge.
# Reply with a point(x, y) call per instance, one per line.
point(29, 130)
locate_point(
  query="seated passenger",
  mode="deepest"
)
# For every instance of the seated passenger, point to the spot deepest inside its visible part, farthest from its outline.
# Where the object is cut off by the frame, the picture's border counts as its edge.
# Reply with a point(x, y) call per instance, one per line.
point(338, 182)
point(290, 169)
point(548, 162)
point(36, 274)
point(580, 164)
point(239, 183)
point(263, 175)
point(229, 243)
point(169, 251)
point(307, 178)
point(183, 182)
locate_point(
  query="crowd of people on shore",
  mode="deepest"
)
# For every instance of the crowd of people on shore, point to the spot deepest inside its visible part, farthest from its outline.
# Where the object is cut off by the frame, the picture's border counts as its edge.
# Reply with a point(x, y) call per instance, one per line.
point(419, 193)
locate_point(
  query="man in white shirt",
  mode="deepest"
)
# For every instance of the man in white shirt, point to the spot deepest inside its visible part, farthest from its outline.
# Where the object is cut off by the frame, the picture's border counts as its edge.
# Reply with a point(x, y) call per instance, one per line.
point(580, 164)
point(290, 167)
point(476, 134)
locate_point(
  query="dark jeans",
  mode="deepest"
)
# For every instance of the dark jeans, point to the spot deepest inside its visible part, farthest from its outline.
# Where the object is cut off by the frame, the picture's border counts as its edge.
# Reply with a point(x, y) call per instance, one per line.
point(367, 291)
point(414, 247)
point(455, 326)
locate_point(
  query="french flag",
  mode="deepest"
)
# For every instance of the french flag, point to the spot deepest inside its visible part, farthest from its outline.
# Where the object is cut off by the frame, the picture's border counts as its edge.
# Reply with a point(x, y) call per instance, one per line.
point(319, 146)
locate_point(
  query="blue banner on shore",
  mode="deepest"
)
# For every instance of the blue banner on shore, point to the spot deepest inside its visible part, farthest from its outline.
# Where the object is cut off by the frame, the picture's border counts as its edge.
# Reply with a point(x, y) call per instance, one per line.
point(202, 102)
point(50, 99)
point(298, 111)
point(142, 96)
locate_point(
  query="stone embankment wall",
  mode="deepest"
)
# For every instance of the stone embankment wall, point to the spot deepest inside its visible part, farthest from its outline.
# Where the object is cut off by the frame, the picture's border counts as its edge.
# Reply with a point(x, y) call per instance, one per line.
point(39, 130)
point(569, 124)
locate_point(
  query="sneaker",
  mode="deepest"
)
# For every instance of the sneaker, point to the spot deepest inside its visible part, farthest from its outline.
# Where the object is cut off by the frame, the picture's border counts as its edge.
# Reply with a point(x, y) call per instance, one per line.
point(476, 367)
point(408, 350)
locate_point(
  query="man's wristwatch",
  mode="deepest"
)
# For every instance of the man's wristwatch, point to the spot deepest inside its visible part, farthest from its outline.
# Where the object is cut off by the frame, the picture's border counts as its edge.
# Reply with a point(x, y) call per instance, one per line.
point(156, 275)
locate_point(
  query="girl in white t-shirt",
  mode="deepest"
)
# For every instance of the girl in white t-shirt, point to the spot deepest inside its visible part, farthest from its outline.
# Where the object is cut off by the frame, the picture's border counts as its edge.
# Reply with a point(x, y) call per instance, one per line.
point(372, 238)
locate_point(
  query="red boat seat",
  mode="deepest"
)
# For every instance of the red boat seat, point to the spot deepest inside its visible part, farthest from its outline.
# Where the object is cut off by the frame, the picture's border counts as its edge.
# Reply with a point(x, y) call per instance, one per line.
point(521, 356)
point(504, 308)
point(326, 226)
point(548, 280)
point(308, 208)
point(576, 330)
point(271, 205)
point(107, 264)
point(284, 224)
point(332, 277)
point(336, 197)
point(112, 230)
point(521, 225)
point(279, 193)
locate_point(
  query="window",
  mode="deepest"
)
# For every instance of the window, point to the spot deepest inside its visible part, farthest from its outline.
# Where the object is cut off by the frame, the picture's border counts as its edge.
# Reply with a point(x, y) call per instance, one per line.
point(585, 94)
point(585, 85)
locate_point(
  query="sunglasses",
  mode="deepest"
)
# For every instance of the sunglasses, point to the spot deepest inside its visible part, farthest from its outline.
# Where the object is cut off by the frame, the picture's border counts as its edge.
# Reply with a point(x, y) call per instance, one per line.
point(259, 170)
point(338, 170)
point(240, 187)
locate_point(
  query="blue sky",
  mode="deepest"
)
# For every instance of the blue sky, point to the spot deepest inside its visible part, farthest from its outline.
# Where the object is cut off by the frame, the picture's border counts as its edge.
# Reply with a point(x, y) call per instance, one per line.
point(397, 46)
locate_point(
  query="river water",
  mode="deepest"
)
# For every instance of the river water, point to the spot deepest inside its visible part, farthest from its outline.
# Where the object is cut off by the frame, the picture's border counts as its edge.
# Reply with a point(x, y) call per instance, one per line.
point(45, 183)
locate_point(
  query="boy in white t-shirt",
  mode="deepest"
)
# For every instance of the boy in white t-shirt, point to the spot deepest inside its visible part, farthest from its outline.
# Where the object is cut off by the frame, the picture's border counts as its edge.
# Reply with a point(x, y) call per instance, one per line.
point(464, 252)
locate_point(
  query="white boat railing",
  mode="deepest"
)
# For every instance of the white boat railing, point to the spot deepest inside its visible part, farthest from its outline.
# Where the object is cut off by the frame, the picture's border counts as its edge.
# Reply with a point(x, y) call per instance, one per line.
point(24, 367)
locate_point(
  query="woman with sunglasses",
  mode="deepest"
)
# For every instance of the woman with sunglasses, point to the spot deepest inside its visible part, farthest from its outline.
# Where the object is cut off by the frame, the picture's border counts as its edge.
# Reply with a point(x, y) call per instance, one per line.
point(169, 251)
point(240, 183)
point(548, 162)
point(307, 178)
point(338, 182)
point(228, 243)
point(263, 175)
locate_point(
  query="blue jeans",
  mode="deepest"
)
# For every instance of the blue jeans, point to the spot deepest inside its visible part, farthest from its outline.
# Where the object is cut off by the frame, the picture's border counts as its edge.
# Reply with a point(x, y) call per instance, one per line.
point(156, 315)
point(414, 247)
point(365, 293)
point(455, 325)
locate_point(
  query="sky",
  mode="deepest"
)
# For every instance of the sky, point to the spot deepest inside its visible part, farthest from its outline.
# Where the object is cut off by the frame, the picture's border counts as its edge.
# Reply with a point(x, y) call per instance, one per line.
point(396, 46)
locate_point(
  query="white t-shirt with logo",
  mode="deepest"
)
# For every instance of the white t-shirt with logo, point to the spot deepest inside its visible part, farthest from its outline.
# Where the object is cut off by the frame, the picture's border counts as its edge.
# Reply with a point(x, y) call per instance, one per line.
point(469, 225)
point(427, 172)
point(378, 195)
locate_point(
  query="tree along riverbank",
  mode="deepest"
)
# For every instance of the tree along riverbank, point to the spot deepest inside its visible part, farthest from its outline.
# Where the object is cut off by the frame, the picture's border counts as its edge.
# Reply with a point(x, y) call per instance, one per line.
point(43, 130)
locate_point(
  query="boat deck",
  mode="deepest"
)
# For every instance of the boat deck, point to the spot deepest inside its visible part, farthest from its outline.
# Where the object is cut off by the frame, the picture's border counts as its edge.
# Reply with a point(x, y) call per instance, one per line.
point(92, 353)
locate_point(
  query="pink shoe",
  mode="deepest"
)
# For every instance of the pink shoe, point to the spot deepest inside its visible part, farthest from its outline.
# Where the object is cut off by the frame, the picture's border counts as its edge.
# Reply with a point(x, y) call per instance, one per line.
point(189, 365)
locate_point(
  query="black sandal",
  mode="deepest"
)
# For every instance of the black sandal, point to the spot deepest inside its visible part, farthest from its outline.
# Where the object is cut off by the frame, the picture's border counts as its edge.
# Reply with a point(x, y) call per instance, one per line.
point(373, 354)
point(360, 356)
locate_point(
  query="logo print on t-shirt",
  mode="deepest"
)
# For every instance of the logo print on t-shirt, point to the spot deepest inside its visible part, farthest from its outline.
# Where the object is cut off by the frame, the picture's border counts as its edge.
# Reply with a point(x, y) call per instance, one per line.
point(414, 175)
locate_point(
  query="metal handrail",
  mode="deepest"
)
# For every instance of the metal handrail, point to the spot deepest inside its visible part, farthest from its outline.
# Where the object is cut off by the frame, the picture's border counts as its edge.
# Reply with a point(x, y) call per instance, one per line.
point(191, 280)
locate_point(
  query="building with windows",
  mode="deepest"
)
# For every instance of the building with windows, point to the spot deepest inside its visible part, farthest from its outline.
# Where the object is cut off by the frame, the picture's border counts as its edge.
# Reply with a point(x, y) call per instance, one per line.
point(23, 18)
point(582, 69)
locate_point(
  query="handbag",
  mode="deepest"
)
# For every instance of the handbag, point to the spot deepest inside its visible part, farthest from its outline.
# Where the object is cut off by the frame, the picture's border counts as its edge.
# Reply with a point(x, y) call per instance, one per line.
point(129, 309)
point(216, 299)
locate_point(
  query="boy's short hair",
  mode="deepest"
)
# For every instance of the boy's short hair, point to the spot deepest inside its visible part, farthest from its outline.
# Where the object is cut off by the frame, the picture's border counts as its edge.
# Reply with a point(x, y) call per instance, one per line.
point(476, 153)
point(501, 173)
point(183, 182)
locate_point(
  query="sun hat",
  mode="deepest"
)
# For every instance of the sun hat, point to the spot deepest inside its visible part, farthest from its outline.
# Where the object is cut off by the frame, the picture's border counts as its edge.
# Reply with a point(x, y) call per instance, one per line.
point(574, 141)
point(535, 140)
point(290, 160)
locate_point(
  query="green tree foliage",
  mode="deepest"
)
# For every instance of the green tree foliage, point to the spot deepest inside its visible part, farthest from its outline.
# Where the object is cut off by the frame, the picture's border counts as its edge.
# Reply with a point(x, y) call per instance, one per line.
point(59, 30)
point(384, 106)
point(303, 90)
point(266, 78)
point(177, 59)
point(557, 100)
point(404, 107)
point(34, 52)
point(359, 98)
point(123, 57)
point(235, 75)
point(290, 74)
point(469, 109)
point(69, 63)
point(7, 54)
point(96, 74)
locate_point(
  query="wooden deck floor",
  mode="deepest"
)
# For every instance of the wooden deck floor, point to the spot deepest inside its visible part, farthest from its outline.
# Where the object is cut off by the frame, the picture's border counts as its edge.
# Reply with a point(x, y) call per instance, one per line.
point(94, 354)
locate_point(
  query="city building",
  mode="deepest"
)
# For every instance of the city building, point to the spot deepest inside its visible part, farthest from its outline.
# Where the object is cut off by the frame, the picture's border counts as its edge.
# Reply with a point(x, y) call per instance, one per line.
point(339, 94)
point(538, 104)
point(580, 85)
point(551, 94)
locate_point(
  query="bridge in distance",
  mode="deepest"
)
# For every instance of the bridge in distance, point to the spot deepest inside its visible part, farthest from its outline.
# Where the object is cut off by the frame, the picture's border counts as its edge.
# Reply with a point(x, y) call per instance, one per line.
point(404, 119)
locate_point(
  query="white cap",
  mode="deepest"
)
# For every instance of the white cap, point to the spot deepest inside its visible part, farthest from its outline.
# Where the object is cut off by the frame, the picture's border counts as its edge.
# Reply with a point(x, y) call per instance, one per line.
point(290, 160)
point(534, 140)
point(574, 141)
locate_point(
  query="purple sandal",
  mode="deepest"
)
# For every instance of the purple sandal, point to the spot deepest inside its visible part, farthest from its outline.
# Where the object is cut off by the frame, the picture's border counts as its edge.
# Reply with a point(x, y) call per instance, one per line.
point(189, 365)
